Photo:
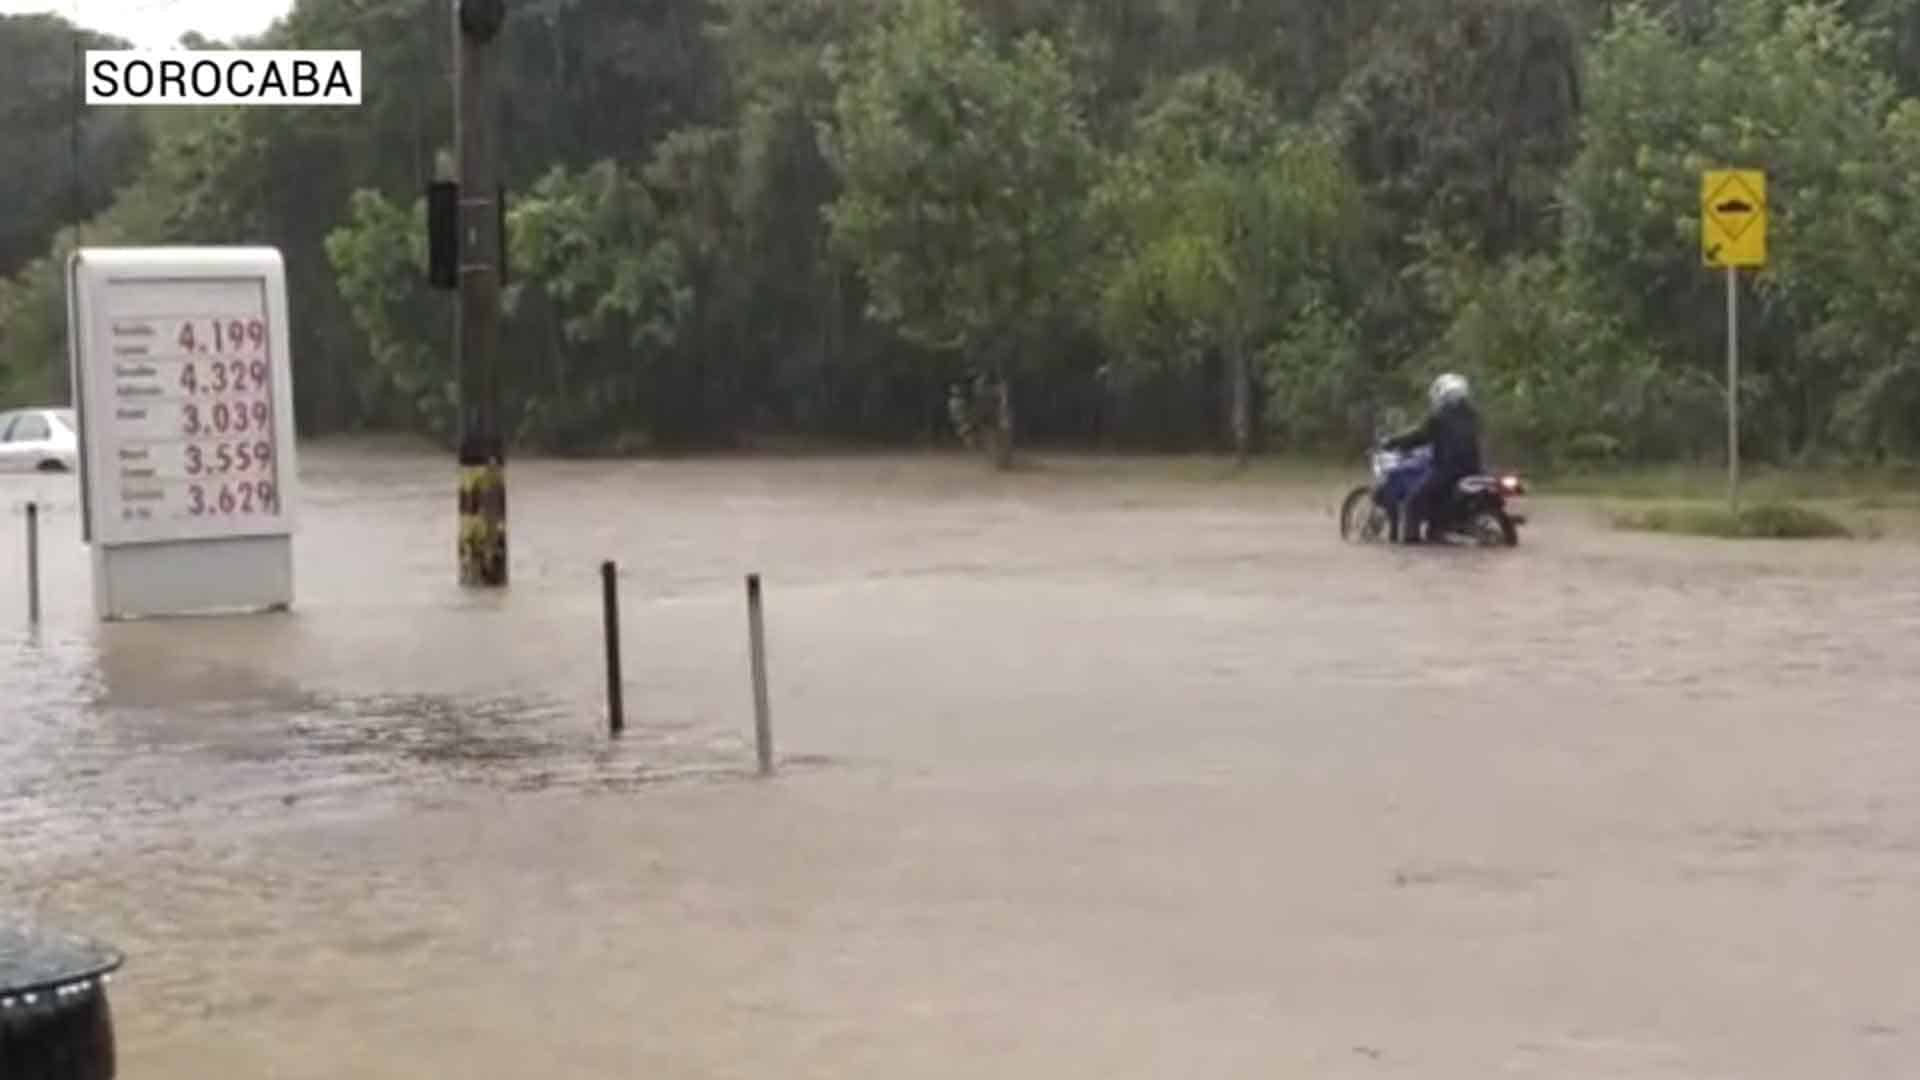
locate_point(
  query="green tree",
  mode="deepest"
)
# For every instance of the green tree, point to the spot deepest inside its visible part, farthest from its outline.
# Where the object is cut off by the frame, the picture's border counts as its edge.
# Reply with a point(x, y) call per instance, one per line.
point(1462, 116)
point(1225, 227)
point(1790, 87)
point(596, 310)
point(601, 258)
point(379, 259)
point(964, 168)
point(1867, 329)
point(43, 187)
point(1561, 381)
point(812, 214)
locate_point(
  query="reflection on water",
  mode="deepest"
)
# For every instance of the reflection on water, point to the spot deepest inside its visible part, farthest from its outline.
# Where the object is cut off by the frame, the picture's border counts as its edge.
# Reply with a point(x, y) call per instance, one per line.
point(1132, 778)
point(384, 681)
point(387, 679)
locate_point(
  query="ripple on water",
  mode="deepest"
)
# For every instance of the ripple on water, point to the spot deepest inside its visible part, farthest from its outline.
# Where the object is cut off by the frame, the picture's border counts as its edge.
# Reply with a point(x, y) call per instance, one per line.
point(76, 774)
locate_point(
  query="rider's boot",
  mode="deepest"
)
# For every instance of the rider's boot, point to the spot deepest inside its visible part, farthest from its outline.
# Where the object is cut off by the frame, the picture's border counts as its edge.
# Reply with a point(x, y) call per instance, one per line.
point(1410, 525)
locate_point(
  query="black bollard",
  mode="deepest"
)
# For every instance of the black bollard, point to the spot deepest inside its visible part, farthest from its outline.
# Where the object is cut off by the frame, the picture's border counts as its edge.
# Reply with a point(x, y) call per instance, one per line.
point(757, 641)
point(610, 604)
point(33, 563)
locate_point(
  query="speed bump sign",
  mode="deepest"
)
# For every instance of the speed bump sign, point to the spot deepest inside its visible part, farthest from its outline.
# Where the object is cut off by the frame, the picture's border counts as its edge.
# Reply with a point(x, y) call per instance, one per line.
point(1733, 217)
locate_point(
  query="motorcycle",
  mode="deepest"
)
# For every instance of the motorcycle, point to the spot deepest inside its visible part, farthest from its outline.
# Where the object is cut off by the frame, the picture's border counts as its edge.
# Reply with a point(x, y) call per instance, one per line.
point(1477, 512)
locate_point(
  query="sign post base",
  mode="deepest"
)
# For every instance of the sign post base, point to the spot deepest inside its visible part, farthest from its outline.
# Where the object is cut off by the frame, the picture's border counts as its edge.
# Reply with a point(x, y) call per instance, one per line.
point(242, 574)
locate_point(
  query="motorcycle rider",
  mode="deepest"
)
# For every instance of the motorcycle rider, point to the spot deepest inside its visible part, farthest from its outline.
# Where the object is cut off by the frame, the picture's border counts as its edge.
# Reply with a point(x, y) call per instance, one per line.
point(1452, 429)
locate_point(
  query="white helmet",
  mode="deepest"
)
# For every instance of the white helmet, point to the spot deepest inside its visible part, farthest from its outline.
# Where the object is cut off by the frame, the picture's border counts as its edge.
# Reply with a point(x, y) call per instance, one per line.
point(1448, 389)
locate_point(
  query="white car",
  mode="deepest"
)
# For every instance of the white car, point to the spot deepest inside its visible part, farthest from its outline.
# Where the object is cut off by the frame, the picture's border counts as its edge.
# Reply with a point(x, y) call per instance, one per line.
point(39, 440)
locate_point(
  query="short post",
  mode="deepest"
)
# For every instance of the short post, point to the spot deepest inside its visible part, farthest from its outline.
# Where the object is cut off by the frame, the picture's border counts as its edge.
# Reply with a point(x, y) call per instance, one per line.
point(33, 563)
point(610, 605)
point(757, 636)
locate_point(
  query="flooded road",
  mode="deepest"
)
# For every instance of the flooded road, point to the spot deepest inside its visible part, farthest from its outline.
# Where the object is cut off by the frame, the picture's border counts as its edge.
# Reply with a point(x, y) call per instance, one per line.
point(1090, 772)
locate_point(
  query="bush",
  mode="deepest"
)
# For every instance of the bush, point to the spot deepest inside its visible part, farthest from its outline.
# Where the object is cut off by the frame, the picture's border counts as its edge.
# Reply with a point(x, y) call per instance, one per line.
point(1777, 521)
point(1592, 448)
point(1560, 383)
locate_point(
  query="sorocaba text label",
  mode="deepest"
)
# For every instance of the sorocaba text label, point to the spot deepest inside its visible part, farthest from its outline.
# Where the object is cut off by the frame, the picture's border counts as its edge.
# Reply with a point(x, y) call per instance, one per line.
point(219, 77)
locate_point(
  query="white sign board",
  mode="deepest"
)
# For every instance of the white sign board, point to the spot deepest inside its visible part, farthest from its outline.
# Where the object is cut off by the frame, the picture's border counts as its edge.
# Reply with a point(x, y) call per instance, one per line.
point(182, 380)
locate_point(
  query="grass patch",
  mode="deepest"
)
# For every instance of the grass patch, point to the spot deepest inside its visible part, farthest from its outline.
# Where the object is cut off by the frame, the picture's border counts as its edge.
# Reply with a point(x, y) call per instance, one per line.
point(1770, 521)
point(1882, 488)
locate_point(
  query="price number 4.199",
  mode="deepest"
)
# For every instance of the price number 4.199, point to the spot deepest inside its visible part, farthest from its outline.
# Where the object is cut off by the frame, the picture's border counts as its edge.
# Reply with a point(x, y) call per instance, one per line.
point(225, 336)
point(245, 497)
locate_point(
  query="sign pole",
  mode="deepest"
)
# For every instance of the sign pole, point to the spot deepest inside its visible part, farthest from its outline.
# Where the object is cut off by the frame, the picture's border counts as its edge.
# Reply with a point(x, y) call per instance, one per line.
point(1733, 234)
point(1733, 388)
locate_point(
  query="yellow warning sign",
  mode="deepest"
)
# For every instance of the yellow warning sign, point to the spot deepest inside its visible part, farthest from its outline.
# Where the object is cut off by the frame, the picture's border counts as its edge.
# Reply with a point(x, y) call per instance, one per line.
point(1733, 217)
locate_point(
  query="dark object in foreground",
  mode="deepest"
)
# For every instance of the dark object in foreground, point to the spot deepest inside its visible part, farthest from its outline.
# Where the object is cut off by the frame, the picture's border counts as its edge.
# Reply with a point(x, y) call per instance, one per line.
point(55, 1023)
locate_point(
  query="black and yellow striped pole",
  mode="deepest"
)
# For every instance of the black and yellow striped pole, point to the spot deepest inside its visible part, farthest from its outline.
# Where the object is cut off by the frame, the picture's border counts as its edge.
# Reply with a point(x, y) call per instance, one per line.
point(483, 457)
point(483, 515)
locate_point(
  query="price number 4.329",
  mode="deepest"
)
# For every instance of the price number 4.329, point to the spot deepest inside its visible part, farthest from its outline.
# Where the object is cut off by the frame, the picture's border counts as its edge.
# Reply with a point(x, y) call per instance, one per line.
point(223, 376)
point(245, 497)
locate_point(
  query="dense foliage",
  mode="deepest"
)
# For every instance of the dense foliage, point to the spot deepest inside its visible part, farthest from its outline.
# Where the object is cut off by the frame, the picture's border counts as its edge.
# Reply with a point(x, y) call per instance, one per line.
point(1158, 223)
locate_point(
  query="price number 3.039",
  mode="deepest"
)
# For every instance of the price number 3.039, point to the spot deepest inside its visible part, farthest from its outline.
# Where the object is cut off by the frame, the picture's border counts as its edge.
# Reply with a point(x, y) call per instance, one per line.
point(219, 459)
point(224, 418)
point(226, 500)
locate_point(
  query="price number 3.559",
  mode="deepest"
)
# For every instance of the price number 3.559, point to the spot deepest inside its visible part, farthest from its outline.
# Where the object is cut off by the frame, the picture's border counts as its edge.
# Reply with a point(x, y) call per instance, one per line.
point(245, 497)
point(223, 458)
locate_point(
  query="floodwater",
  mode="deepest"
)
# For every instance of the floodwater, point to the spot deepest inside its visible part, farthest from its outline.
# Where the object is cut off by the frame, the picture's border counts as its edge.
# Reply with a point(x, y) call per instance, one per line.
point(1086, 772)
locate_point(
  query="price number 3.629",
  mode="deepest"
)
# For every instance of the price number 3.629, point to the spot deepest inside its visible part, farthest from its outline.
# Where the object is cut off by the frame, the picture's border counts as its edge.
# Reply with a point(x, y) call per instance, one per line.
point(245, 497)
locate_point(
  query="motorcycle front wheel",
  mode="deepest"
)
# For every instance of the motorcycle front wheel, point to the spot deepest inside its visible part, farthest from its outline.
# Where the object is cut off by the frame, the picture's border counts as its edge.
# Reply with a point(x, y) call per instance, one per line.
point(1362, 521)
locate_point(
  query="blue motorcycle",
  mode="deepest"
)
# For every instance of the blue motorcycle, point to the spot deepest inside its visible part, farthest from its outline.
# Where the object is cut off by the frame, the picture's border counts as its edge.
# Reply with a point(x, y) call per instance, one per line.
point(1477, 512)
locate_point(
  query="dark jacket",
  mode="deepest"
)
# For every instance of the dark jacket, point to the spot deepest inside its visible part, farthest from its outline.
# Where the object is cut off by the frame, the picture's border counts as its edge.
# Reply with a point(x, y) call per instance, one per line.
point(1454, 433)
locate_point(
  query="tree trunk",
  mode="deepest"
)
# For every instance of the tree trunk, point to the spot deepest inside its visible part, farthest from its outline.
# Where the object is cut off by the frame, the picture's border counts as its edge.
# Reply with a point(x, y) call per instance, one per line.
point(1000, 434)
point(1241, 390)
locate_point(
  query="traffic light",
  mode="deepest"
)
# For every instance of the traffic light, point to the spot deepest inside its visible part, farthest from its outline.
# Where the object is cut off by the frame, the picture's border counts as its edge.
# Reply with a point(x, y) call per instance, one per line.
point(481, 19)
point(443, 234)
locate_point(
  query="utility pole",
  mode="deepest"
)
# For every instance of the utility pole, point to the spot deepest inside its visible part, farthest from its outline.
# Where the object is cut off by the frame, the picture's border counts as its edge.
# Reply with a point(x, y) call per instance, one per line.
point(483, 454)
point(60, 375)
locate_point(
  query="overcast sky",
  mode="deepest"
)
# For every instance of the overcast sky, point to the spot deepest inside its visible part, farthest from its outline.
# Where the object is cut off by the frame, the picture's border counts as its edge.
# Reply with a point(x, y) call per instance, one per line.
point(158, 24)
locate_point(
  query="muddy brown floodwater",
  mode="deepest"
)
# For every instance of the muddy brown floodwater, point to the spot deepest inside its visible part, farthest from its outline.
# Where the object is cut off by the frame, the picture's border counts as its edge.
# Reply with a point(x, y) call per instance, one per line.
point(1089, 772)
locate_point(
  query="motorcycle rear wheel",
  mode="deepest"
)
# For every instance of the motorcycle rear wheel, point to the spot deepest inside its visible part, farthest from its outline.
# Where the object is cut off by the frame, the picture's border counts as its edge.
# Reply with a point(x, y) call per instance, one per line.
point(1493, 528)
